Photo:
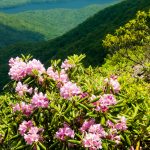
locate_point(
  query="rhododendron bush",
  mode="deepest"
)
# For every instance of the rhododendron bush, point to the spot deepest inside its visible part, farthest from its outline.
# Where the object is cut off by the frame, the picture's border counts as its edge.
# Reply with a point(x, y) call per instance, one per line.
point(67, 107)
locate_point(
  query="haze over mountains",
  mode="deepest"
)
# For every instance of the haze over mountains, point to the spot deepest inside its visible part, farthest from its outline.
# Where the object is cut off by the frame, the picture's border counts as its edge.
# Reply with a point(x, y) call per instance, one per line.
point(41, 21)
point(54, 3)
point(85, 38)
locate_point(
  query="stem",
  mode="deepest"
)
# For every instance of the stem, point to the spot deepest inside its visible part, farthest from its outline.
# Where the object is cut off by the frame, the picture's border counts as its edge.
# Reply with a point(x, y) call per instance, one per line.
point(138, 145)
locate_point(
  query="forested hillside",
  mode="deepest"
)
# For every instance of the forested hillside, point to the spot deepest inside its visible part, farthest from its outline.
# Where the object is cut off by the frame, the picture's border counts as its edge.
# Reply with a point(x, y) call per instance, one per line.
point(41, 25)
point(86, 38)
point(15, 3)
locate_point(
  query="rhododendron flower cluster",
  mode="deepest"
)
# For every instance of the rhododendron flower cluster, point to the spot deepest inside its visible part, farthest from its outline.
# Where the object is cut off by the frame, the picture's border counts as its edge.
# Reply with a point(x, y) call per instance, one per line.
point(97, 129)
point(60, 78)
point(104, 102)
point(66, 65)
point(69, 89)
point(30, 133)
point(52, 74)
point(26, 109)
point(86, 125)
point(40, 100)
point(20, 69)
point(35, 65)
point(25, 126)
point(113, 135)
point(12, 61)
point(120, 125)
point(92, 141)
point(65, 132)
point(114, 128)
point(94, 133)
point(82, 114)
point(113, 82)
point(33, 135)
point(21, 89)
point(17, 70)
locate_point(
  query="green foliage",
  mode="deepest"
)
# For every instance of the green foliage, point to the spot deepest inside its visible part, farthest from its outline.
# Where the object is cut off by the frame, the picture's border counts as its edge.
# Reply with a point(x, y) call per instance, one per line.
point(130, 61)
point(131, 40)
point(130, 44)
point(133, 102)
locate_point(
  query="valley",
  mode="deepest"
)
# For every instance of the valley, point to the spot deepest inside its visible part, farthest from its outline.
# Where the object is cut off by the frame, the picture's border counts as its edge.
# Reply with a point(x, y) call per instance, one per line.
point(31, 24)
point(24, 5)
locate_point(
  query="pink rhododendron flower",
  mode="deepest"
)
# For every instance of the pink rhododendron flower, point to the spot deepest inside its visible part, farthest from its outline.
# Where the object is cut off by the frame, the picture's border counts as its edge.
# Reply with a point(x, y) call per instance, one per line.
point(53, 74)
point(83, 95)
point(116, 138)
point(92, 141)
point(23, 88)
point(97, 129)
point(105, 101)
point(35, 65)
point(32, 135)
point(113, 82)
point(113, 135)
point(18, 70)
point(12, 61)
point(64, 133)
point(40, 100)
point(69, 89)
point(63, 77)
point(26, 109)
point(66, 65)
point(121, 124)
point(16, 108)
point(25, 126)
point(110, 124)
point(86, 125)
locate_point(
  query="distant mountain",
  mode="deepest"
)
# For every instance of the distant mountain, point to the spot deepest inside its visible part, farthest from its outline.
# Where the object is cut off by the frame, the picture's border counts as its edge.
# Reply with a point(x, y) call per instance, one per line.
point(86, 38)
point(41, 24)
point(14, 3)
point(11, 3)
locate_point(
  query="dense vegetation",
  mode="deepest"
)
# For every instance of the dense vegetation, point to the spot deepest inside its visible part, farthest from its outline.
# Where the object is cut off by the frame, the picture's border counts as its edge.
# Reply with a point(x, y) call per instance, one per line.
point(84, 108)
point(86, 38)
point(41, 24)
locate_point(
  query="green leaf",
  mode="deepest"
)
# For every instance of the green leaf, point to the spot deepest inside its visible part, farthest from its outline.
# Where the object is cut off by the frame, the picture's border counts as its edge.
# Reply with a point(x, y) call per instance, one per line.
point(54, 144)
point(74, 142)
point(42, 146)
point(67, 120)
point(128, 139)
point(5, 136)
point(37, 147)
point(83, 106)
point(95, 100)
point(22, 147)
point(135, 111)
